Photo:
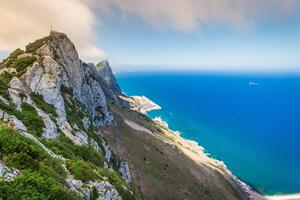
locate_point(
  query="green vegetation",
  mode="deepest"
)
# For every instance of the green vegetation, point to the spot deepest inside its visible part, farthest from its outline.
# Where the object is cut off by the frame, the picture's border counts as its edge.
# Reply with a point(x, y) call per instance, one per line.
point(42, 177)
point(32, 47)
point(82, 170)
point(31, 185)
point(74, 111)
point(65, 147)
point(5, 78)
point(22, 153)
point(13, 56)
point(115, 179)
point(94, 193)
point(7, 108)
point(22, 63)
point(120, 185)
point(41, 104)
point(115, 162)
point(29, 116)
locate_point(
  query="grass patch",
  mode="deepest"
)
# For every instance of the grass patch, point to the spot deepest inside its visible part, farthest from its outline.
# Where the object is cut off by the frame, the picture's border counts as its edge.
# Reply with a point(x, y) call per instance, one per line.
point(32, 47)
point(31, 185)
point(29, 116)
point(41, 104)
point(22, 153)
point(82, 170)
point(22, 63)
point(94, 193)
point(65, 147)
point(5, 78)
point(74, 111)
point(11, 58)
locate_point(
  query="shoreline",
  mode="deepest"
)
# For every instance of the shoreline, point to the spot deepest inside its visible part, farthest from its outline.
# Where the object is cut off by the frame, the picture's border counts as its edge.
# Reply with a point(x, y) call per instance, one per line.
point(195, 145)
point(284, 197)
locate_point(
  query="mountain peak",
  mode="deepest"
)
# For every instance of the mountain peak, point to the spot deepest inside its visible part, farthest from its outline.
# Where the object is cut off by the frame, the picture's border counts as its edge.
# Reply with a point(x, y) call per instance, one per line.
point(56, 34)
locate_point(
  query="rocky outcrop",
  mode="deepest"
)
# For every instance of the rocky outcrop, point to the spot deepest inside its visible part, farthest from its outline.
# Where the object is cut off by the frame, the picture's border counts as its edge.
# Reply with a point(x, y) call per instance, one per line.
point(12, 120)
point(125, 172)
point(16, 87)
point(62, 94)
point(45, 80)
point(109, 84)
point(107, 152)
point(50, 130)
point(105, 190)
point(61, 67)
point(4, 101)
point(142, 104)
point(6, 173)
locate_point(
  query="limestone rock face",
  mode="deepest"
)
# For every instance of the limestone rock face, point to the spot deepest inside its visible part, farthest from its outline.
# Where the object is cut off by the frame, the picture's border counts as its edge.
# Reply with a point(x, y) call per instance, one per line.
point(74, 88)
point(12, 120)
point(125, 172)
point(16, 86)
point(6, 173)
point(108, 82)
point(61, 66)
point(5, 101)
point(107, 152)
point(50, 130)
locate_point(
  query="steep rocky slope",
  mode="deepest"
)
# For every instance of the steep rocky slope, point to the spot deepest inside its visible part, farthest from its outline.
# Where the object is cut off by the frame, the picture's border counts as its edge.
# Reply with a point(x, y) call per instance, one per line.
point(59, 119)
point(51, 104)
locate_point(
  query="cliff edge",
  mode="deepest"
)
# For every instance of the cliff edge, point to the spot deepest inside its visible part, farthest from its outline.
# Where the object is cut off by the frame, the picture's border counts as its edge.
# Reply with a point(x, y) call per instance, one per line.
point(68, 132)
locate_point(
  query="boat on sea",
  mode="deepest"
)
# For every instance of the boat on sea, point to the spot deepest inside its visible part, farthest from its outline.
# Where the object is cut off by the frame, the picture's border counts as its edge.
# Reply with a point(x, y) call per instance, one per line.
point(253, 83)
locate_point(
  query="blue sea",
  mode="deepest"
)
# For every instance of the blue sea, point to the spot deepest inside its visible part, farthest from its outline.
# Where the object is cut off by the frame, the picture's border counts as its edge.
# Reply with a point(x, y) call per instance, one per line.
point(251, 122)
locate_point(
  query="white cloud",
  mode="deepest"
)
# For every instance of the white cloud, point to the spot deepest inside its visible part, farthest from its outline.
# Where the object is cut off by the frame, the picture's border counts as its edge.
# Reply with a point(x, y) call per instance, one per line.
point(187, 15)
point(22, 21)
point(26, 20)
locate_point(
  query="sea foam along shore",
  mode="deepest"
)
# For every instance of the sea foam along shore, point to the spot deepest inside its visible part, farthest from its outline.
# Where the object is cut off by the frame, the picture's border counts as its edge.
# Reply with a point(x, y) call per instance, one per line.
point(195, 145)
point(143, 104)
point(146, 105)
point(284, 197)
point(247, 189)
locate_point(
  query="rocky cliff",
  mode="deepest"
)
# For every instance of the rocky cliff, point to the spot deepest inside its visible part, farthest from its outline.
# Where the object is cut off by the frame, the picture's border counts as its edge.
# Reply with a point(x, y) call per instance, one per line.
point(51, 104)
point(60, 118)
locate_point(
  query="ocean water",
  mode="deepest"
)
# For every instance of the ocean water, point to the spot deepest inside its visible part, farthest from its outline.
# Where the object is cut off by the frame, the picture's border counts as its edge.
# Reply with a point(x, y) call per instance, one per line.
point(253, 127)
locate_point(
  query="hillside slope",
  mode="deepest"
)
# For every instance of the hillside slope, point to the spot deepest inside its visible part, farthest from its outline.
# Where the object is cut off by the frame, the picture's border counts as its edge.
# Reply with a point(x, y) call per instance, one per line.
point(59, 120)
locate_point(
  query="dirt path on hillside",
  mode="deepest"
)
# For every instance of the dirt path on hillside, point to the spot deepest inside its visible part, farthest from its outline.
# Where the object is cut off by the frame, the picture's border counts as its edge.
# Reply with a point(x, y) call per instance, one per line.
point(136, 126)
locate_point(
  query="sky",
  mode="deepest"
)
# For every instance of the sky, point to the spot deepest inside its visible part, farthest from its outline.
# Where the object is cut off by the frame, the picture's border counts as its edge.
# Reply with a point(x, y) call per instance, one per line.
point(204, 35)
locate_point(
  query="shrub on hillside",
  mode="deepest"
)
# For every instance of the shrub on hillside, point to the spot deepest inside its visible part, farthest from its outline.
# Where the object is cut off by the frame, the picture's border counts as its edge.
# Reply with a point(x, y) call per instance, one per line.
point(32, 47)
point(22, 153)
point(29, 116)
point(31, 185)
point(41, 104)
point(82, 170)
point(68, 149)
point(22, 63)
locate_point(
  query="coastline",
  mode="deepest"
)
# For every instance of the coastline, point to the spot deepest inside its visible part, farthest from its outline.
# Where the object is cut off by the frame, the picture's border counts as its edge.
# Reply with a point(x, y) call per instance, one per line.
point(284, 197)
point(147, 106)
